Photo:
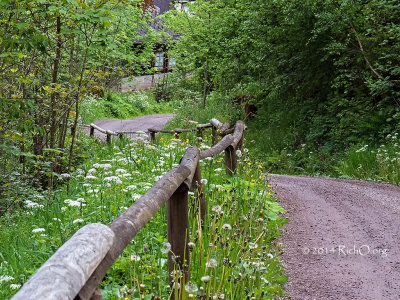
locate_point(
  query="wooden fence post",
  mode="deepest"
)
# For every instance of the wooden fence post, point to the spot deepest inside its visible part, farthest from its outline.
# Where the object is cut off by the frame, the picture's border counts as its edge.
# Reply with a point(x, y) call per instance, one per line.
point(230, 160)
point(178, 237)
point(91, 131)
point(214, 135)
point(198, 186)
point(200, 132)
point(152, 135)
point(97, 294)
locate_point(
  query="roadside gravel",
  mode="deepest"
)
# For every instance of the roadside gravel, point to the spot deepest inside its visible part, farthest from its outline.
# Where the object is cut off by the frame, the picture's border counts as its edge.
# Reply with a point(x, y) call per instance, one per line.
point(342, 239)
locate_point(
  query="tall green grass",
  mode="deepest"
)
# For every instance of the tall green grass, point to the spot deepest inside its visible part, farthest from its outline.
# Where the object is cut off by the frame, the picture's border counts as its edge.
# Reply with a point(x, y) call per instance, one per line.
point(234, 255)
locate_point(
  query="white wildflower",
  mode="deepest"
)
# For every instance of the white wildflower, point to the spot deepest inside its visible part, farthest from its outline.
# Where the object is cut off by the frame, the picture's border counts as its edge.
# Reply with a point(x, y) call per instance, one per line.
point(6, 278)
point(114, 179)
point(136, 196)
point(91, 171)
point(135, 257)
point(238, 153)
point(77, 221)
point(31, 204)
point(204, 181)
point(71, 202)
point(15, 286)
point(38, 230)
point(65, 175)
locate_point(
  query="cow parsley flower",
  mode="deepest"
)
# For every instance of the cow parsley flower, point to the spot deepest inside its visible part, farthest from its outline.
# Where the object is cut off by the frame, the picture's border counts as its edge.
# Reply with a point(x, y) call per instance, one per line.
point(15, 286)
point(6, 278)
point(31, 204)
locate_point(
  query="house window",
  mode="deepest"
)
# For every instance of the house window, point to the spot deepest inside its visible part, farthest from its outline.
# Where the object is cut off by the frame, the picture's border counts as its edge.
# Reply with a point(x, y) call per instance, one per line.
point(182, 5)
point(171, 61)
point(159, 60)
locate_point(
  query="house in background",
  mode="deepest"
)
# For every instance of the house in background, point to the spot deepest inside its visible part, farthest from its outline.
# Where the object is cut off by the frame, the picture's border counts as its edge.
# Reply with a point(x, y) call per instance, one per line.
point(162, 61)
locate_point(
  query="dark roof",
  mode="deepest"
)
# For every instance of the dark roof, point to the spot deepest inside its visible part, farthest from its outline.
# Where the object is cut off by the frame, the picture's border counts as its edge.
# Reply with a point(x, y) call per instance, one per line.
point(164, 5)
point(161, 6)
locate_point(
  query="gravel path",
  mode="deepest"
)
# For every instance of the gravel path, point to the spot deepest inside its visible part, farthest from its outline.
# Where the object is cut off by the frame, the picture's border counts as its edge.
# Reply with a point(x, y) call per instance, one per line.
point(342, 238)
point(143, 123)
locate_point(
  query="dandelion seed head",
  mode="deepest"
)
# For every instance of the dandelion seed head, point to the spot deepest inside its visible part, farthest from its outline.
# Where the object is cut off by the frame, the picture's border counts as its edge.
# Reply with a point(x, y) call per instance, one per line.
point(135, 257)
point(253, 246)
point(166, 247)
point(205, 279)
point(212, 263)
point(191, 287)
point(226, 227)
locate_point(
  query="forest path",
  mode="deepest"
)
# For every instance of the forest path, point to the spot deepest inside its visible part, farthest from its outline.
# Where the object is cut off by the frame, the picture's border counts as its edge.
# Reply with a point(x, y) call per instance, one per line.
point(143, 123)
point(342, 239)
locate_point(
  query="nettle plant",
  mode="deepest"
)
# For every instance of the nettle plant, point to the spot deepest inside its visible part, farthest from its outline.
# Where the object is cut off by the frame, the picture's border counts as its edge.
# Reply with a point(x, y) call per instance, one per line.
point(233, 253)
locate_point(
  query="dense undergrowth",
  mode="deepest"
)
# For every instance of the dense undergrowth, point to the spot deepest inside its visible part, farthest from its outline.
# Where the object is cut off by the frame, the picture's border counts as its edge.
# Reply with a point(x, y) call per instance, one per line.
point(234, 256)
point(274, 141)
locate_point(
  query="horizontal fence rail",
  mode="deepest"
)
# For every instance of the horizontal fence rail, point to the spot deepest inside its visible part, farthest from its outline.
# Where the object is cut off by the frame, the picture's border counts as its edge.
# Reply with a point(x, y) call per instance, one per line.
point(77, 268)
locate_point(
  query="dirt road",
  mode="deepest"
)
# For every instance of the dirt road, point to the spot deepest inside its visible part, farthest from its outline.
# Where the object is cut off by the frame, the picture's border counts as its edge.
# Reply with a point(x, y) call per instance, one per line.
point(342, 238)
point(143, 123)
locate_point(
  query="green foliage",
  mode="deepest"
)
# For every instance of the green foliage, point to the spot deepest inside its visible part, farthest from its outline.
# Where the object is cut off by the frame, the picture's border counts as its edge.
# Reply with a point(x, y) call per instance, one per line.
point(322, 73)
point(51, 54)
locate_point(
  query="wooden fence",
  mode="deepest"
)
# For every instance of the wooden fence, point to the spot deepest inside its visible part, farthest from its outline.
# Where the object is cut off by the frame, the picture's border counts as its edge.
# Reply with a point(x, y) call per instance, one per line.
point(77, 268)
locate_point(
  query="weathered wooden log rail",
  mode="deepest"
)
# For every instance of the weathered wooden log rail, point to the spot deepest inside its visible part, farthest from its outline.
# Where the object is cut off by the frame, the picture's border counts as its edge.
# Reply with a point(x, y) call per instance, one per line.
point(77, 268)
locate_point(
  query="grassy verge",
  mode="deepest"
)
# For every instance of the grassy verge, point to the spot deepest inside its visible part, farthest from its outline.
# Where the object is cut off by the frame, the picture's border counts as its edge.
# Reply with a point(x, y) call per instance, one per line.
point(122, 106)
point(233, 257)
